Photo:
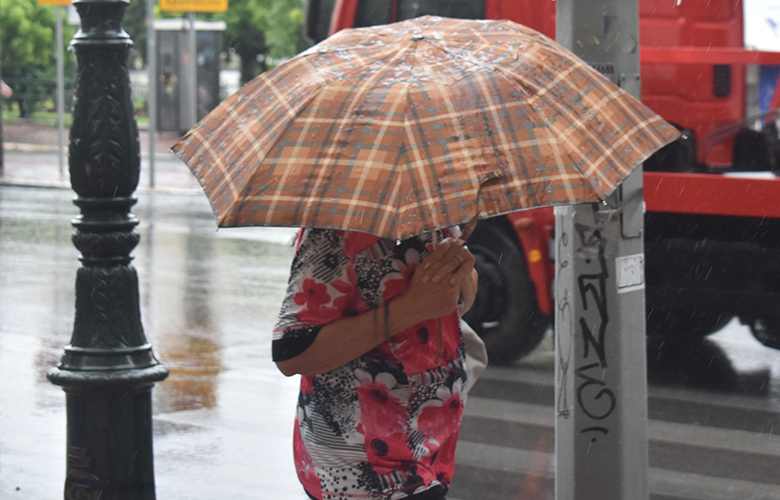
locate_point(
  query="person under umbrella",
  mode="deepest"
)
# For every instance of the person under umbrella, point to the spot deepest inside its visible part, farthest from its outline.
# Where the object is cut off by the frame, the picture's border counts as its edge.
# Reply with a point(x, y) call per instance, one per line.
point(373, 326)
point(380, 142)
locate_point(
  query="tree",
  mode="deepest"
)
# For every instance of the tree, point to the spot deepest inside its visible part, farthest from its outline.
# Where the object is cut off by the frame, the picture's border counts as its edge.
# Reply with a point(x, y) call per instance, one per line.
point(259, 30)
point(134, 23)
point(28, 44)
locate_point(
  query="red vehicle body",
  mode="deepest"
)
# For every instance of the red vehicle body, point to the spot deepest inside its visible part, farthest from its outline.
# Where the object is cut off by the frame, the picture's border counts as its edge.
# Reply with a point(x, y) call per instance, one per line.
point(712, 240)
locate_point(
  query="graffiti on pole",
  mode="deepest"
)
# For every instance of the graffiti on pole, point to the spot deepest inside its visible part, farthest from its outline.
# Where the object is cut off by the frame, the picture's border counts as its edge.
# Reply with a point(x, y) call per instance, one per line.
point(594, 398)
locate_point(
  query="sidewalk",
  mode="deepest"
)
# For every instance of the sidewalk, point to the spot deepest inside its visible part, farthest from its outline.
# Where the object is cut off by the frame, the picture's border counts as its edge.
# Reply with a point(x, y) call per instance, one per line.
point(31, 158)
point(223, 420)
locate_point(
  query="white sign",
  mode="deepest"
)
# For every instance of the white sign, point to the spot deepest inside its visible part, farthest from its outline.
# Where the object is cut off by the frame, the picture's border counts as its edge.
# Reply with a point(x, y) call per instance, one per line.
point(194, 5)
point(630, 272)
point(762, 24)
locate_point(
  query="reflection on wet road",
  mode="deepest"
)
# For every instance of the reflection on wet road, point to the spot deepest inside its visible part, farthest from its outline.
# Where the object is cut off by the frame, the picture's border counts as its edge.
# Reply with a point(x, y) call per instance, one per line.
point(223, 419)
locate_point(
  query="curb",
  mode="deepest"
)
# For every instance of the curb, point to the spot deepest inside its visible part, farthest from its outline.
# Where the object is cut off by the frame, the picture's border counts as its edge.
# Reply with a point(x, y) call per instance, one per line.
point(21, 183)
point(31, 148)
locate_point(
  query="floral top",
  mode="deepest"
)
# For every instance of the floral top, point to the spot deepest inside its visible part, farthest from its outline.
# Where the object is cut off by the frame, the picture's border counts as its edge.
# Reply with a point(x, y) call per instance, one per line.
point(385, 425)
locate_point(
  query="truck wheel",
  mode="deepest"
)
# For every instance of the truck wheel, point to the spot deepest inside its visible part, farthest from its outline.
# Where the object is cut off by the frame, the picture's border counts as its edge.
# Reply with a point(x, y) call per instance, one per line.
point(683, 324)
point(767, 331)
point(505, 312)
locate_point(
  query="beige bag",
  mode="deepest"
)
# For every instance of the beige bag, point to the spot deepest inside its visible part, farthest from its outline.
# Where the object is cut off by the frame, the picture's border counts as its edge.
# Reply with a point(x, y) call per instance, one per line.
point(476, 354)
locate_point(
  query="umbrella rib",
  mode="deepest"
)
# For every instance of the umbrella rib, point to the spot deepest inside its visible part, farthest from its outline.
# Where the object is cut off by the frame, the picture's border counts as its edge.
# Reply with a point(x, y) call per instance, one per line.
point(526, 174)
point(353, 100)
point(554, 79)
point(575, 63)
point(617, 163)
point(427, 159)
point(540, 77)
point(251, 182)
point(363, 91)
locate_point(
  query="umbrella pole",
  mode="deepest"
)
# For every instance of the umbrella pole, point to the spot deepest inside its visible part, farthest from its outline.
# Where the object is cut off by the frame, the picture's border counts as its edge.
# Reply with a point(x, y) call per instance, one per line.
point(600, 366)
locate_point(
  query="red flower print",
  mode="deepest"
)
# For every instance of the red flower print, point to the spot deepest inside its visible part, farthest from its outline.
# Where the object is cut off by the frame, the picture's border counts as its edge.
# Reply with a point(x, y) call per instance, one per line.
point(415, 347)
point(307, 387)
point(304, 466)
point(319, 316)
point(381, 412)
point(386, 452)
point(346, 288)
point(396, 282)
point(313, 295)
point(435, 418)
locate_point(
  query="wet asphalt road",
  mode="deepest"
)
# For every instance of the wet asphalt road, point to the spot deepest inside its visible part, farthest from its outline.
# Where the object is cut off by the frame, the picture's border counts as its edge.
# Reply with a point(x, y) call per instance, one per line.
point(223, 419)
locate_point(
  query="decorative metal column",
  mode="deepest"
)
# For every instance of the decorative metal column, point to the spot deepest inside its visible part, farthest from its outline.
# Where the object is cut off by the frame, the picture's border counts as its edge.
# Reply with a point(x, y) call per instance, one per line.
point(108, 369)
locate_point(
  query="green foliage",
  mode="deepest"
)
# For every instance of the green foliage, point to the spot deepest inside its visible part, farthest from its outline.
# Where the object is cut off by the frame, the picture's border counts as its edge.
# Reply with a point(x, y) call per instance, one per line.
point(134, 23)
point(29, 49)
point(28, 35)
point(260, 29)
point(257, 30)
point(284, 34)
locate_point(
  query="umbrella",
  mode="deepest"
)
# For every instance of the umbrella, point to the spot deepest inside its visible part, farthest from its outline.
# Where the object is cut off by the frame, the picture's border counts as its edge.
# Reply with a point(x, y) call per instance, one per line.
point(399, 129)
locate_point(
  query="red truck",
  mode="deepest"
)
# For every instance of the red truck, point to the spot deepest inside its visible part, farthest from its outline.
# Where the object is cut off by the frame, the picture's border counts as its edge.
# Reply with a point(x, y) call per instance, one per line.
point(712, 221)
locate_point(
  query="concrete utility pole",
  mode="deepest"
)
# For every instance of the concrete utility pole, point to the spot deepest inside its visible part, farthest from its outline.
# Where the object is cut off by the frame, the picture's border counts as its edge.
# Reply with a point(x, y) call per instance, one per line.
point(601, 385)
point(108, 369)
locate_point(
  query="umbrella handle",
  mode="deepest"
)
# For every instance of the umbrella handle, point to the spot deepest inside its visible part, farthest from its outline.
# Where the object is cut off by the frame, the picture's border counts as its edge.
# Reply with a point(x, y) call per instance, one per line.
point(465, 234)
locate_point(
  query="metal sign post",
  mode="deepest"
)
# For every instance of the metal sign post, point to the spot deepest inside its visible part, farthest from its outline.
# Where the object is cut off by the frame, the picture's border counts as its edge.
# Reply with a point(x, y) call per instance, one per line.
point(601, 389)
point(192, 71)
point(60, 91)
point(151, 91)
point(2, 105)
point(59, 5)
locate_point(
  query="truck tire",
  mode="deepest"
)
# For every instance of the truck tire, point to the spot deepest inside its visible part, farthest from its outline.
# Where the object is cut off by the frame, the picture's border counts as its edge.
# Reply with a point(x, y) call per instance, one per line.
point(505, 313)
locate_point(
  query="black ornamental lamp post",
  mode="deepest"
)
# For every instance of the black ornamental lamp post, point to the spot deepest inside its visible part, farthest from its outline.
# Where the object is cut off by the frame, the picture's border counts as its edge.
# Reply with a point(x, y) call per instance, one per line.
point(108, 369)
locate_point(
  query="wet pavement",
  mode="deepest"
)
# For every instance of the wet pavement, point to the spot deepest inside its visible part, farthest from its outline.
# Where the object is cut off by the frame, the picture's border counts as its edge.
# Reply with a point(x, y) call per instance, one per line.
point(223, 418)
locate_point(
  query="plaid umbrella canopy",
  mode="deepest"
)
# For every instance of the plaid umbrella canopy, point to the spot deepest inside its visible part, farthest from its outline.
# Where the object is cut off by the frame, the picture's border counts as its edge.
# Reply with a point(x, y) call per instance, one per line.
point(399, 129)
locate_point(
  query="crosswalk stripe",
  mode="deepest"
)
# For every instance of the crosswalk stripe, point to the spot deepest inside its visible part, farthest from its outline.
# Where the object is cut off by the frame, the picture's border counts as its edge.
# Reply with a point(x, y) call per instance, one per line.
point(693, 435)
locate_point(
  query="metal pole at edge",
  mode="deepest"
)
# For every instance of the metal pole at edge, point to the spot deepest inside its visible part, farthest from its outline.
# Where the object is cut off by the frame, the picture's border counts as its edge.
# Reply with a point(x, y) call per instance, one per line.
point(60, 92)
point(2, 107)
point(193, 71)
point(151, 91)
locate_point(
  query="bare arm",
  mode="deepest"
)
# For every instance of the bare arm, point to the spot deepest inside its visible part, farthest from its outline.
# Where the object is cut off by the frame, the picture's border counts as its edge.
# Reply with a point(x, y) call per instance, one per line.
point(428, 296)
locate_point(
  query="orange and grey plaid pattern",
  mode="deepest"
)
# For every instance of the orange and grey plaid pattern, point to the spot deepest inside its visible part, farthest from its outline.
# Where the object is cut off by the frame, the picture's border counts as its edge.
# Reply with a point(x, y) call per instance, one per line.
point(399, 129)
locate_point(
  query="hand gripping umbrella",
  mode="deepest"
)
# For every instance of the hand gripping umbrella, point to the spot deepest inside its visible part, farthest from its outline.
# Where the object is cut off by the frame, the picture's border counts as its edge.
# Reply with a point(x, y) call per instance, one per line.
point(399, 129)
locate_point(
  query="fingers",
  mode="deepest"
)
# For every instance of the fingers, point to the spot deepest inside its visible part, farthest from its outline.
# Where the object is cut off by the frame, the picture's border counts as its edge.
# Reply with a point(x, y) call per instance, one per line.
point(465, 267)
point(437, 299)
point(442, 260)
point(449, 261)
